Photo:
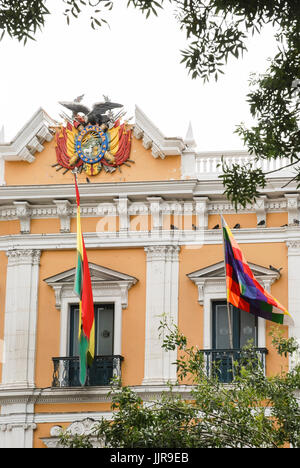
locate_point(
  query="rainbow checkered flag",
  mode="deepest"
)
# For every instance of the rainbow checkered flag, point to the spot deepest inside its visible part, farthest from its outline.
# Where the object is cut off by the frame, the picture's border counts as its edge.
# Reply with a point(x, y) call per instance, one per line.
point(83, 289)
point(243, 291)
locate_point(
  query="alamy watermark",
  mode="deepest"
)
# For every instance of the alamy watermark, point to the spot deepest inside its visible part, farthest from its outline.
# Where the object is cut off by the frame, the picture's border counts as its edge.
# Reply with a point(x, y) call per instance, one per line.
point(156, 219)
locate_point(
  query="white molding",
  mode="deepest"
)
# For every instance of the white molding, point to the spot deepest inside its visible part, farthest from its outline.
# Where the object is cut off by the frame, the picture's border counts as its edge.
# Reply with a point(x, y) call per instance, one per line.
point(294, 286)
point(123, 208)
point(153, 137)
point(109, 286)
point(30, 138)
point(176, 189)
point(99, 191)
point(84, 426)
point(20, 318)
point(162, 283)
point(134, 239)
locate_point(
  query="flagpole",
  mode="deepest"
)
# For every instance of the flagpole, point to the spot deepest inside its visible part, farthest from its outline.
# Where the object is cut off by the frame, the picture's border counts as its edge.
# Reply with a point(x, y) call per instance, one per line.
point(228, 305)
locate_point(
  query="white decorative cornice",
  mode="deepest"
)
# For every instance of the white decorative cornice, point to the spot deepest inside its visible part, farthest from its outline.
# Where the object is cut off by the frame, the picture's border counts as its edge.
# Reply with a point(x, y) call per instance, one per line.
point(193, 239)
point(85, 427)
point(97, 192)
point(153, 138)
point(30, 139)
point(293, 246)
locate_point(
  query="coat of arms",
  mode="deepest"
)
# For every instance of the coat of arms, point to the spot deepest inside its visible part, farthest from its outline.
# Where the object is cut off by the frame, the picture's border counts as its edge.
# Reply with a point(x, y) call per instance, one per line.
point(93, 139)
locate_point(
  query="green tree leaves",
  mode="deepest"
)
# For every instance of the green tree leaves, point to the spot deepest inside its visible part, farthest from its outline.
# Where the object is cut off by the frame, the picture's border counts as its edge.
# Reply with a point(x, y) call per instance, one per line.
point(22, 19)
point(253, 412)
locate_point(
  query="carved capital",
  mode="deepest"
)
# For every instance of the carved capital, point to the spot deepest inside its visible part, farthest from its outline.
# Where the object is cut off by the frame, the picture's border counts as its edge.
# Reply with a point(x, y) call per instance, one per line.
point(293, 247)
point(21, 257)
point(163, 253)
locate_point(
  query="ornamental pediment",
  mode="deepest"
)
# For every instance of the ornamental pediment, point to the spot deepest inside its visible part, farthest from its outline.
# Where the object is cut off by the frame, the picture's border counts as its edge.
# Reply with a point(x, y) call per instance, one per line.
point(98, 274)
point(212, 278)
point(105, 282)
point(217, 270)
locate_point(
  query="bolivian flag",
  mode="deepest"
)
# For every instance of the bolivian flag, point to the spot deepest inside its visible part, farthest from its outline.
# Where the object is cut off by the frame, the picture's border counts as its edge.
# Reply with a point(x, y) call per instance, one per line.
point(83, 288)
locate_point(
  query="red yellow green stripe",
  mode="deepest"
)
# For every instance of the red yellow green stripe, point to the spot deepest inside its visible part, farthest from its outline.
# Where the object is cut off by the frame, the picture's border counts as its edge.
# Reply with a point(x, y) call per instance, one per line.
point(83, 289)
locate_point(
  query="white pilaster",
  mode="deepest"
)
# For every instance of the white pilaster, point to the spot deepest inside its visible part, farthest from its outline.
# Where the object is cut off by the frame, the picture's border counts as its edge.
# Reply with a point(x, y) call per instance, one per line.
point(2, 162)
point(294, 286)
point(161, 301)
point(18, 370)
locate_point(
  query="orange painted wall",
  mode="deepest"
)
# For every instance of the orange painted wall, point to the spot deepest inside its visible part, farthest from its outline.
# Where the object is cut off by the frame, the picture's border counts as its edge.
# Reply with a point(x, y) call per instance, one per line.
point(43, 430)
point(132, 262)
point(9, 227)
point(248, 220)
point(145, 168)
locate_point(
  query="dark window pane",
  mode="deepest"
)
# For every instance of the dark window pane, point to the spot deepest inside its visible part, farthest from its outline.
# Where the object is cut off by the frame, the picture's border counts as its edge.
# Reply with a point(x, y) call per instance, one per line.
point(104, 330)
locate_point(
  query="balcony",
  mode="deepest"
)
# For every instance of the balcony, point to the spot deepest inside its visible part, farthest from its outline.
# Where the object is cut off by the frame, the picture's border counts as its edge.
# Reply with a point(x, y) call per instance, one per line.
point(219, 362)
point(102, 371)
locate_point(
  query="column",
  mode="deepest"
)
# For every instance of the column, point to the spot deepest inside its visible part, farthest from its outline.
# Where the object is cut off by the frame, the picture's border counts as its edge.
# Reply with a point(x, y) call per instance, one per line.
point(21, 305)
point(294, 286)
point(161, 301)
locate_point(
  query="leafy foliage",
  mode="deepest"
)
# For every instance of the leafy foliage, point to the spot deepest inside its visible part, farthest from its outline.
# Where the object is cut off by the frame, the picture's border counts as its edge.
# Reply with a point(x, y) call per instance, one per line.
point(22, 19)
point(242, 182)
point(254, 411)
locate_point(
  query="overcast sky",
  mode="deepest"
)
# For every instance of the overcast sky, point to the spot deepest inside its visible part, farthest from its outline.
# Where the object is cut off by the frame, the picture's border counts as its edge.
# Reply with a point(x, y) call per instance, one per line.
point(135, 62)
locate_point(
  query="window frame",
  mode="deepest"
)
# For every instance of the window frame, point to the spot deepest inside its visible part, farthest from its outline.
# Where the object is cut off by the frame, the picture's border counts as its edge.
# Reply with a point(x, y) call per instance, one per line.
point(74, 306)
point(66, 304)
point(214, 291)
point(236, 325)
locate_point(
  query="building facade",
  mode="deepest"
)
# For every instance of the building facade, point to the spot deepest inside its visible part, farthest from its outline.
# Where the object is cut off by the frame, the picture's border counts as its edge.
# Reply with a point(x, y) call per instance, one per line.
point(154, 251)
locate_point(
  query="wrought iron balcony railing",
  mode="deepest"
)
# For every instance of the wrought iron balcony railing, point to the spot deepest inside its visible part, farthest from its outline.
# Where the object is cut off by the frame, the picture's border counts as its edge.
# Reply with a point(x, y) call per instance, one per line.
point(102, 371)
point(224, 362)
